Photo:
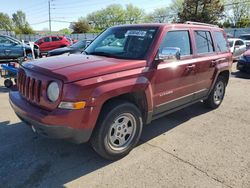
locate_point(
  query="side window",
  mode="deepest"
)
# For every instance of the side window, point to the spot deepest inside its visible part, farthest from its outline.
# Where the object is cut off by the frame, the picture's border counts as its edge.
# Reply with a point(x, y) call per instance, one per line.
point(46, 39)
point(5, 41)
point(177, 39)
point(239, 43)
point(55, 38)
point(204, 43)
point(221, 42)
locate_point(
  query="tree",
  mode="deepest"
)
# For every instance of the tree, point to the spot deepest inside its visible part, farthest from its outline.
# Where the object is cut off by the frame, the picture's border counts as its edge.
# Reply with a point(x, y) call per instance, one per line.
point(160, 15)
point(207, 11)
point(65, 31)
point(237, 12)
point(110, 16)
point(5, 22)
point(175, 7)
point(20, 24)
point(81, 26)
point(134, 14)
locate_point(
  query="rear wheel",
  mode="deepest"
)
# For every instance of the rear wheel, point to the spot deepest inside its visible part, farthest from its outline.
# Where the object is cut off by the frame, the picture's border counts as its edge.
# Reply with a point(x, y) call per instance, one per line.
point(216, 96)
point(118, 130)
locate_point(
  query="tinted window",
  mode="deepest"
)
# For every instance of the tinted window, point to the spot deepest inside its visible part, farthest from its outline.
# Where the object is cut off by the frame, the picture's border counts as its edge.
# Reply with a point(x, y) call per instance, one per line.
point(3, 40)
point(239, 43)
point(221, 42)
point(204, 42)
point(177, 39)
point(55, 39)
point(46, 39)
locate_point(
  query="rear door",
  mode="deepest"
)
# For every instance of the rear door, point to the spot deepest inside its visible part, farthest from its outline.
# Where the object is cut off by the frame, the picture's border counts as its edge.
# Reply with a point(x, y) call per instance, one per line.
point(205, 57)
point(211, 49)
point(56, 42)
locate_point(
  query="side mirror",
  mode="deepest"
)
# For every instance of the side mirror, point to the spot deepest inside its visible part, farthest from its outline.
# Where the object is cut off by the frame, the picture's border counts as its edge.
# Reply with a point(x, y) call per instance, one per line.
point(169, 53)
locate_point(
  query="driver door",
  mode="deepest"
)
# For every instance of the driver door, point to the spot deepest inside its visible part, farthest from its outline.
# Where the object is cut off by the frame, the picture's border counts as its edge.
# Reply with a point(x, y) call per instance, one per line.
point(175, 79)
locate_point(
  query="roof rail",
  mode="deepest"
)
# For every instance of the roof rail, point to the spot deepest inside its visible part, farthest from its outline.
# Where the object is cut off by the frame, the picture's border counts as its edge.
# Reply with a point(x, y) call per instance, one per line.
point(200, 23)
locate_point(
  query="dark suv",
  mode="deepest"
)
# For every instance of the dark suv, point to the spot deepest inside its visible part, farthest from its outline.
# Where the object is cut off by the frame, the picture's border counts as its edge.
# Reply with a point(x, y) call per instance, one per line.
point(129, 76)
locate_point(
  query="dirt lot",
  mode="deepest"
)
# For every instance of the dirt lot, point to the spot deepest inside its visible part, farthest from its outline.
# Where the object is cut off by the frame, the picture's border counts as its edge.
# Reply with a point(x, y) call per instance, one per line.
point(194, 147)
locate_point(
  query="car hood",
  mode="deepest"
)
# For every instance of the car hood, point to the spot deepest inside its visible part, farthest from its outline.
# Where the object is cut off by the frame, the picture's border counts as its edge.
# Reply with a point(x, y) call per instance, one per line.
point(60, 50)
point(75, 67)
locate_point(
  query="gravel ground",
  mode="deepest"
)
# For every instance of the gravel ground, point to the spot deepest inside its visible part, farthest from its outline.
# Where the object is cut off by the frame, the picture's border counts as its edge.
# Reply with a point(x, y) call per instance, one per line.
point(194, 147)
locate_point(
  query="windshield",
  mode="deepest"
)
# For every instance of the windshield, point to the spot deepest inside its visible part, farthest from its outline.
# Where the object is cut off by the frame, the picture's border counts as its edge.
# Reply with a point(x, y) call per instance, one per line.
point(79, 45)
point(125, 43)
point(245, 37)
point(231, 43)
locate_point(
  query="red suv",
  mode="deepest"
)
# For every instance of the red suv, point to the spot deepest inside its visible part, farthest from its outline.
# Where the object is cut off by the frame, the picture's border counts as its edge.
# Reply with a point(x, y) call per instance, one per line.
point(52, 42)
point(129, 76)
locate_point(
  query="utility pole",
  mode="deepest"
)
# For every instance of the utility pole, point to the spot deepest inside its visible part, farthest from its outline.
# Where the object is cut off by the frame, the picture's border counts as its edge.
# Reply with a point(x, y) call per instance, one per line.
point(49, 17)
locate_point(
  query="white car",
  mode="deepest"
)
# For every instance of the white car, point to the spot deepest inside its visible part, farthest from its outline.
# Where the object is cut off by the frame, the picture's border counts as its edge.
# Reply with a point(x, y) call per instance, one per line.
point(237, 47)
point(246, 39)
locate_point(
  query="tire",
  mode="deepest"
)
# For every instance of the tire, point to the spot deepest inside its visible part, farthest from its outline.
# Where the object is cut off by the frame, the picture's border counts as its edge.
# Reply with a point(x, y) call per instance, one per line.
point(118, 130)
point(217, 94)
point(8, 83)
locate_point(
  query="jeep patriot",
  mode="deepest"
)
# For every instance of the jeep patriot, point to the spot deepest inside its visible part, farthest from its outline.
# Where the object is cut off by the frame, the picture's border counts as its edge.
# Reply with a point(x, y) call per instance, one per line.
point(127, 77)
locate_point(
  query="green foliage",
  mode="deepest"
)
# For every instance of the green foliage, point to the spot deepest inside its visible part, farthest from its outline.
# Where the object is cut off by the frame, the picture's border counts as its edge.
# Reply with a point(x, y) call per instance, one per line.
point(5, 22)
point(65, 31)
point(159, 15)
point(81, 26)
point(238, 13)
point(21, 26)
point(207, 11)
point(134, 14)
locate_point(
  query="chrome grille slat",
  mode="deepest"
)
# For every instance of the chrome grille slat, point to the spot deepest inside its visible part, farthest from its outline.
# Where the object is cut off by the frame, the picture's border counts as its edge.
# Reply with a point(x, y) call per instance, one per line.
point(29, 87)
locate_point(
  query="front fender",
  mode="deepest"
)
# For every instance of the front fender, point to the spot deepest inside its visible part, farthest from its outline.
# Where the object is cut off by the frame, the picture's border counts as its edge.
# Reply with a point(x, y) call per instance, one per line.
point(110, 90)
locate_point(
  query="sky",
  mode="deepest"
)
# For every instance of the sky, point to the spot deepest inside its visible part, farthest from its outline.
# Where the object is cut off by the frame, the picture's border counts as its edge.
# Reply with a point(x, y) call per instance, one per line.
point(68, 10)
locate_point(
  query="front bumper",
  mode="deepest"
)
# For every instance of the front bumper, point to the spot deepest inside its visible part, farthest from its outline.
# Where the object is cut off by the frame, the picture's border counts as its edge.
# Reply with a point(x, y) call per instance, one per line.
point(59, 123)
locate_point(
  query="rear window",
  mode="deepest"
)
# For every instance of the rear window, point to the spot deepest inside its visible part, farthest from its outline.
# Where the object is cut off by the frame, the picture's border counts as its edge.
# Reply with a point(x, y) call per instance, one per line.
point(221, 42)
point(204, 43)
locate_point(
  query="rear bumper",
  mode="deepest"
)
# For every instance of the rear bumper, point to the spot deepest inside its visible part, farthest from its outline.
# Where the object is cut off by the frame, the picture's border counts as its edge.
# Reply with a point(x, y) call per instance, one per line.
point(60, 124)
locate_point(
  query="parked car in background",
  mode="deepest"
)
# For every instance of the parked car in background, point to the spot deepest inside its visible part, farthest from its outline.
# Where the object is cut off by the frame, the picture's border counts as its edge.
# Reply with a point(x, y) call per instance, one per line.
point(244, 62)
point(52, 42)
point(11, 49)
point(237, 47)
point(129, 76)
point(246, 39)
point(74, 48)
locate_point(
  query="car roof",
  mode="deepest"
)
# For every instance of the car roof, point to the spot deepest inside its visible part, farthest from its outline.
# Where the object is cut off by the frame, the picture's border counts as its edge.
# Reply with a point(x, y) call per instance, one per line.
point(234, 39)
point(173, 25)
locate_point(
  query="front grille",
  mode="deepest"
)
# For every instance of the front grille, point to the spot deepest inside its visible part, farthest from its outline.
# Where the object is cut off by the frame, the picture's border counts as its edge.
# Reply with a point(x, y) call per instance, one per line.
point(29, 87)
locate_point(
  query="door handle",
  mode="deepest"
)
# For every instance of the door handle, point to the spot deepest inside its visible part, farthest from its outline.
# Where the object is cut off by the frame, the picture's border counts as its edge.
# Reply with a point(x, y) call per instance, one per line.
point(190, 67)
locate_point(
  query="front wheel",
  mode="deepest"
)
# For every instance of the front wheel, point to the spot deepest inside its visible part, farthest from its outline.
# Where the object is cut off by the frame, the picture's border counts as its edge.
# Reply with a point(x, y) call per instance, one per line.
point(8, 83)
point(216, 96)
point(118, 130)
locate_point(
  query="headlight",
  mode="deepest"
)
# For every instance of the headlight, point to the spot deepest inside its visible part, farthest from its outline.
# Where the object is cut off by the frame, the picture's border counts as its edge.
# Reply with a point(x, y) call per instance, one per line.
point(53, 91)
